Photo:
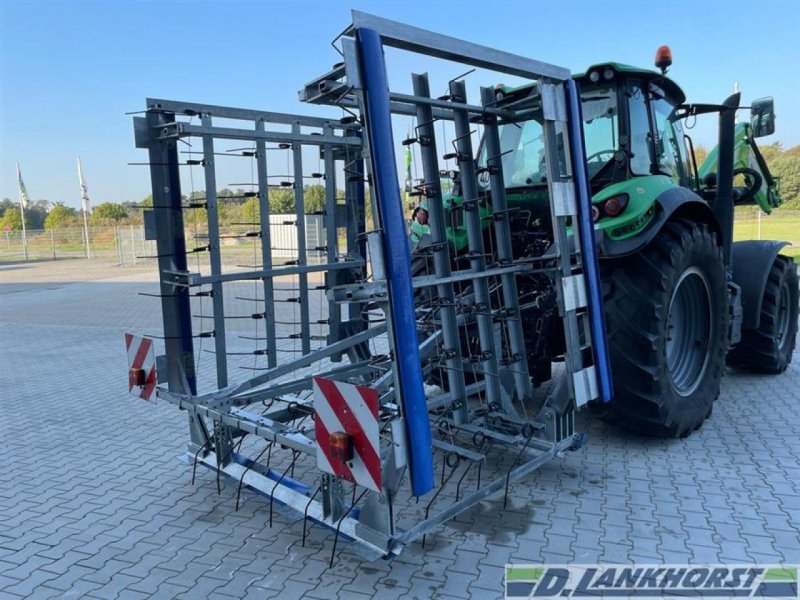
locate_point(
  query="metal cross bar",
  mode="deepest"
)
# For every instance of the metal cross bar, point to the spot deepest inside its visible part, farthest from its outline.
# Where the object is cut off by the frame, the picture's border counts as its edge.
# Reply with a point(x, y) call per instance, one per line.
point(187, 279)
point(228, 112)
point(421, 41)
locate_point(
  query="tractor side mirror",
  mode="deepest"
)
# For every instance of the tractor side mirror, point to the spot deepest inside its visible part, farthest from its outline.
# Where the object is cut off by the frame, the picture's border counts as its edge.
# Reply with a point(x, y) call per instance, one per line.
point(762, 117)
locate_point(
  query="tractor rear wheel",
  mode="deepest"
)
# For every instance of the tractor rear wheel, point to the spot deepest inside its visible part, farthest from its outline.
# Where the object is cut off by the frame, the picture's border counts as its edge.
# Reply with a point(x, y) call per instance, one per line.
point(667, 329)
point(769, 348)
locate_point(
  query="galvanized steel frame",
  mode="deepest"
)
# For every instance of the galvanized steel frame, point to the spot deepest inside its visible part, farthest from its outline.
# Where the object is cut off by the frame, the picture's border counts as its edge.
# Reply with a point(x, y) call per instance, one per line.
point(360, 83)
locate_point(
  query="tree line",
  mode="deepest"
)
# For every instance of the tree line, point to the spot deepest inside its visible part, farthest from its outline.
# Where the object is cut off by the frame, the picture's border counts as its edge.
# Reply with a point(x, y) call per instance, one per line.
point(234, 206)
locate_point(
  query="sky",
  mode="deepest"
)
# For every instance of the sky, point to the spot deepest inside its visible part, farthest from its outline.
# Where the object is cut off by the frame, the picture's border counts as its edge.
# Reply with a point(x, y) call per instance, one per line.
point(69, 71)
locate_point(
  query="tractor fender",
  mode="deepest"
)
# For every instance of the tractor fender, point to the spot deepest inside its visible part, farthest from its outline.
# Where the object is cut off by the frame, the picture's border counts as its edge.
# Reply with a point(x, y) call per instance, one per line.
point(752, 261)
point(675, 203)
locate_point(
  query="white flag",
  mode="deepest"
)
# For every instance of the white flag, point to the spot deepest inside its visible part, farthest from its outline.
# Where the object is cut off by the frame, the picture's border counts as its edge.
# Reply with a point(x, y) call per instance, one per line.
point(24, 201)
point(84, 191)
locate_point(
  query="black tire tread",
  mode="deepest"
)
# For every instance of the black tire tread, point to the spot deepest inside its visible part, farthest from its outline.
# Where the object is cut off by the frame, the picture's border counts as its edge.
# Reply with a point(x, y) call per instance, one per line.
point(639, 296)
point(758, 349)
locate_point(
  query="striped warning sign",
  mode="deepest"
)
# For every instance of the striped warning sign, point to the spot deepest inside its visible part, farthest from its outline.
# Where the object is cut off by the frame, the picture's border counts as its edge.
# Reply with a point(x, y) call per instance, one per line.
point(141, 366)
point(346, 429)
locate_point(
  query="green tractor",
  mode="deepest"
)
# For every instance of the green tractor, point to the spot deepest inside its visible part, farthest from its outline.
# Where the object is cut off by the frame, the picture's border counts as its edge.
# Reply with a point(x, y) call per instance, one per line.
point(681, 298)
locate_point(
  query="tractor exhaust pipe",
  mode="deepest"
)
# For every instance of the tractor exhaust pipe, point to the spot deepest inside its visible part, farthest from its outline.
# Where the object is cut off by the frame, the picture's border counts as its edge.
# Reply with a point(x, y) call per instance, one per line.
point(723, 205)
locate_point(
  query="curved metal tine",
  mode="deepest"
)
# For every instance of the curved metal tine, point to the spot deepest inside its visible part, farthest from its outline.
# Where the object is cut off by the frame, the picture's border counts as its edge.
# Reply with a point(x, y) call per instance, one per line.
point(241, 479)
point(196, 454)
point(514, 464)
point(461, 479)
point(339, 524)
point(441, 487)
point(305, 513)
point(295, 455)
point(235, 448)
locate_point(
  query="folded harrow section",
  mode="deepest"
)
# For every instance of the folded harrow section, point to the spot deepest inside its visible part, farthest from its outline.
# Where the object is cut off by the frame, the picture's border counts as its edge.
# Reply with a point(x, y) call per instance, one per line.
point(387, 384)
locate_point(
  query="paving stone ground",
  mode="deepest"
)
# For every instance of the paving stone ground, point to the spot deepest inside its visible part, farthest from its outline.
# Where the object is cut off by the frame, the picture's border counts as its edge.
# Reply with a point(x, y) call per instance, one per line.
point(94, 502)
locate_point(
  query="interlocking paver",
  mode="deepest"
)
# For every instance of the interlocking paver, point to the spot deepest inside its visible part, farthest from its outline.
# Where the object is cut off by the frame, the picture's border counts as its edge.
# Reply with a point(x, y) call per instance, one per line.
point(109, 514)
point(30, 583)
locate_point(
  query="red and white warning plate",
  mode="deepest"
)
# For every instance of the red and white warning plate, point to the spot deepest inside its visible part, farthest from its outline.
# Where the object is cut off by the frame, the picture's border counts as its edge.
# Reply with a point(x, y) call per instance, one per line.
point(346, 431)
point(141, 366)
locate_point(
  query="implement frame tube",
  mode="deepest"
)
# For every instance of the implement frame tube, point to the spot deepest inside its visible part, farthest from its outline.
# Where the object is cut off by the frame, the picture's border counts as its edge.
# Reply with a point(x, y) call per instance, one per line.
point(588, 245)
point(397, 258)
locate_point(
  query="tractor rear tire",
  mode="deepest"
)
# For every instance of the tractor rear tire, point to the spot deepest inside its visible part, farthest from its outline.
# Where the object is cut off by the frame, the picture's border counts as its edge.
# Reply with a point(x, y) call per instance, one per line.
point(667, 321)
point(769, 348)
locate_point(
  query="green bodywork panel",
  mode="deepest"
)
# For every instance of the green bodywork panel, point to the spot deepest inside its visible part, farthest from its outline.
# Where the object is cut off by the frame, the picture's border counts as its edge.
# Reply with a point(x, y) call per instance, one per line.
point(642, 193)
point(746, 155)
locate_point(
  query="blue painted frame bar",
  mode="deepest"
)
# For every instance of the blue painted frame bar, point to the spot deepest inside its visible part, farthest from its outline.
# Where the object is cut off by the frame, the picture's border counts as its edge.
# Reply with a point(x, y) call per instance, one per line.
point(588, 245)
point(397, 257)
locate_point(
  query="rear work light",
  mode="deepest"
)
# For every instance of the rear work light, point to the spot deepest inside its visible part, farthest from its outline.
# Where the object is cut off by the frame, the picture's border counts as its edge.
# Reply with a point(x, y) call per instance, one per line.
point(614, 206)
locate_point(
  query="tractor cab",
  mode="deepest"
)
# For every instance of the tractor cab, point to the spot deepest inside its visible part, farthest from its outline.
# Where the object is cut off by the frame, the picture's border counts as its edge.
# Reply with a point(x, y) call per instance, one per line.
point(635, 149)
point(630, 123)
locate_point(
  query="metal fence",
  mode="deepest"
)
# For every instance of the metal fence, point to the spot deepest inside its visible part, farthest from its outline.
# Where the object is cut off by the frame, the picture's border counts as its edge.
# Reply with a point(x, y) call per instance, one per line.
point(123, 243)
point(752, 224)
point(126, 244)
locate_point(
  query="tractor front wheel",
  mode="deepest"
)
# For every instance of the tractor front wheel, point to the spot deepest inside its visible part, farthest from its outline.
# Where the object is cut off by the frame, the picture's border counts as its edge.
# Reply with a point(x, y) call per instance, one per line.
point(667, 329)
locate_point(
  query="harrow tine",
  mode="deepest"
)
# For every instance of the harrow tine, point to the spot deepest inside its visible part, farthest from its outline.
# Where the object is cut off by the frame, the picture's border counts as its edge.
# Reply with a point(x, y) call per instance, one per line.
point(227, 456)
point(241, 479)
point(305, 514)
point(453, 467)
point(339, 525)
point(196, 454)
point(295, 455)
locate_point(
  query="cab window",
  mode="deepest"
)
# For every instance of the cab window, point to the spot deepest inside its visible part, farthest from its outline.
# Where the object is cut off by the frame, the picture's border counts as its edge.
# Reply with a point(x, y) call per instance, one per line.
point(640, 147)
point(670, 145)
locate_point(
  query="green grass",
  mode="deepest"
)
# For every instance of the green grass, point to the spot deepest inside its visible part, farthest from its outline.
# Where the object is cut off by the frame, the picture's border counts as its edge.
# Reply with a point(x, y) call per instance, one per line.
point(780, 225)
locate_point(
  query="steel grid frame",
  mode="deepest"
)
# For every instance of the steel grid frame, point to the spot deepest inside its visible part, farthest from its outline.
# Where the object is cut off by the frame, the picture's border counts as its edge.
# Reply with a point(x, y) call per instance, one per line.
point(360, 82)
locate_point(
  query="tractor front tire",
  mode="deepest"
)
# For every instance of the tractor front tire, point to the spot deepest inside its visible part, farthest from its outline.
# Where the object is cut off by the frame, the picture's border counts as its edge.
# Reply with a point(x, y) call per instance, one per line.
point(769, 347)
point(667, 321)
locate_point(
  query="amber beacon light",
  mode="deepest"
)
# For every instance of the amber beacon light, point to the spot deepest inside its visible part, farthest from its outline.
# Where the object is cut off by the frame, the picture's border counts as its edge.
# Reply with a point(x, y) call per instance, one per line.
point(663, 58)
